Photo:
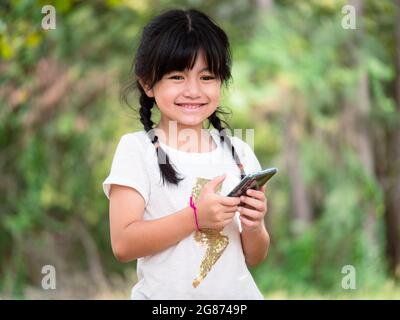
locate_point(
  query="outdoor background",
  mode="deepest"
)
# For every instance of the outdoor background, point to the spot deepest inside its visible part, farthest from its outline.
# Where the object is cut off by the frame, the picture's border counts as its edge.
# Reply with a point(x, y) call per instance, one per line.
point(324, 102)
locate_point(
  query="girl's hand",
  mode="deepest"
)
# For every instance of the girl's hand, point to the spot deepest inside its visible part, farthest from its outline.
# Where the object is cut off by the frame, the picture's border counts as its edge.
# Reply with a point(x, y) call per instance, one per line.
point(215, 211)
point(254, 209)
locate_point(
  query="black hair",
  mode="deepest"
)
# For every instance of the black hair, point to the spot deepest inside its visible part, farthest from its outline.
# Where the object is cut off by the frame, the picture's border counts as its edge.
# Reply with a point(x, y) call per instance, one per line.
point(171, 42)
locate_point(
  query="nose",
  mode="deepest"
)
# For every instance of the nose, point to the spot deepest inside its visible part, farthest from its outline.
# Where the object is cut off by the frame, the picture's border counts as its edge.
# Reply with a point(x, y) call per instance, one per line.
point(192, 89)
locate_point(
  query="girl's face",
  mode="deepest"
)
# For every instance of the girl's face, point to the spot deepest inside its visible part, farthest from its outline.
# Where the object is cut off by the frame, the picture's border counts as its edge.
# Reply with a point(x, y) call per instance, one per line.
point(187, 97)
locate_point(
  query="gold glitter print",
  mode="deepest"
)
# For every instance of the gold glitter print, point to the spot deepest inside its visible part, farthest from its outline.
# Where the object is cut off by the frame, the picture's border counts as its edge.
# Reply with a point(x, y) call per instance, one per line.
point(214, 241)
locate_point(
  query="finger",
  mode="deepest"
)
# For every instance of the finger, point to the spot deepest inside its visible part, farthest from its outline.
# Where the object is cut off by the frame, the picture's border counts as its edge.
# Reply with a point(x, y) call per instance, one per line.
point(258, 194)
point(214, 183)
point(229, 201)
point(248, 222)
point(252, 208)
point(263, 188)
point(230, 214)
point(230, 208)
point(228, 221)
point(250, 213)
point(255, 203)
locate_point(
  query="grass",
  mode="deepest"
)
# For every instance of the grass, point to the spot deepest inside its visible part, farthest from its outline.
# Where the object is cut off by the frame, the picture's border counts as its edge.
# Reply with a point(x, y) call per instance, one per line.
point(389, 291)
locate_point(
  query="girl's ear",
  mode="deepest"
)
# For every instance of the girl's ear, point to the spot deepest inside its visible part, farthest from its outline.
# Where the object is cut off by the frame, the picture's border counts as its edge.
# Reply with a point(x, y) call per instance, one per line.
point(147, 89)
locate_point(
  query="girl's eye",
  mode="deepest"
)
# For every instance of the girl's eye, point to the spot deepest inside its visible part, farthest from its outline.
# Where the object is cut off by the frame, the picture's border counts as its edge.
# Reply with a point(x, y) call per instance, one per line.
point(176, 77)
point(208, 78)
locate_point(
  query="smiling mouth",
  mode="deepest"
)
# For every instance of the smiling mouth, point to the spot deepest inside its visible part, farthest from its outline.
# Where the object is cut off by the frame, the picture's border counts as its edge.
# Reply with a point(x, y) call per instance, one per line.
point(190, 106)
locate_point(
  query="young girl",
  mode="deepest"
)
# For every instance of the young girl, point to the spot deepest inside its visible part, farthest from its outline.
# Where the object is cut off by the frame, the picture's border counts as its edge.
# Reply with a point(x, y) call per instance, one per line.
point(168, 204)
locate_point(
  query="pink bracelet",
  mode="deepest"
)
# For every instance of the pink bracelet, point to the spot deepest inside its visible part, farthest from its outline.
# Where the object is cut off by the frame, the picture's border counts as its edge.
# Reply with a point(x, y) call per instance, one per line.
point(193, 206)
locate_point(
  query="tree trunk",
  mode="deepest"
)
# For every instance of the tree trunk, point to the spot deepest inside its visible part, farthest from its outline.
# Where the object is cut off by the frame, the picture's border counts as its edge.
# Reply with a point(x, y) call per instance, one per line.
point(359, 128)
point(392, 187)
point(300, 204)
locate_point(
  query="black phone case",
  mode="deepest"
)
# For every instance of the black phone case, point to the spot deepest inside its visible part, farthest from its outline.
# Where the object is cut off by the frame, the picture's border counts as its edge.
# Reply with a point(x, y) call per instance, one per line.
point(252, 181)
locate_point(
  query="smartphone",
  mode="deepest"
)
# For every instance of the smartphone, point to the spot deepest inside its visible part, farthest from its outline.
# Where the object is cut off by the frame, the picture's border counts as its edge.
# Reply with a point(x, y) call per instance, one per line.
point(252, 181)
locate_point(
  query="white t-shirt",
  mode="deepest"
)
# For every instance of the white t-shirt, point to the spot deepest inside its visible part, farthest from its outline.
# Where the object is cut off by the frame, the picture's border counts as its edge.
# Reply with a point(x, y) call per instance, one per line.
point(208, 265)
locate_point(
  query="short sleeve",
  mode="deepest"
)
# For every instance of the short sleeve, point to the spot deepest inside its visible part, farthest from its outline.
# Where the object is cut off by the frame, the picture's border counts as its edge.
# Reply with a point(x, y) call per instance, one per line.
point(128, 168)
point(247, 156)
point(251, 159)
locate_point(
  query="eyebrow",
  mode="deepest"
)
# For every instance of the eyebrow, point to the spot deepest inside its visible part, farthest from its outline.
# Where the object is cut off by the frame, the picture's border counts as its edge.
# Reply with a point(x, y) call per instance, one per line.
point(204, 69)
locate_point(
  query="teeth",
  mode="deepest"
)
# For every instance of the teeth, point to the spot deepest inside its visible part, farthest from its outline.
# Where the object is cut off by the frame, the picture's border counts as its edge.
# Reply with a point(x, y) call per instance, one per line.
point(190, 106)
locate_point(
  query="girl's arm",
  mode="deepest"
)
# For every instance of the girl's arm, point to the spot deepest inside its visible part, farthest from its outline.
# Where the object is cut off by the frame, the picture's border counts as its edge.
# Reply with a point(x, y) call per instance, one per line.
point(255, 237)
point(255, 244)
point(132, 237)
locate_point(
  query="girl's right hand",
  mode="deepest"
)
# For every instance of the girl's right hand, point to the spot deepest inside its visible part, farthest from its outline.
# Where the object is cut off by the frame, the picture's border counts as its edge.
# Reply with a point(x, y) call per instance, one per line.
point(215, 211)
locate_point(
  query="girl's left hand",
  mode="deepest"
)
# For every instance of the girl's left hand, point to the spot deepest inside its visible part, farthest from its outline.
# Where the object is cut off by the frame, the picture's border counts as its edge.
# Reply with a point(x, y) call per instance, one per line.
point(254, 209)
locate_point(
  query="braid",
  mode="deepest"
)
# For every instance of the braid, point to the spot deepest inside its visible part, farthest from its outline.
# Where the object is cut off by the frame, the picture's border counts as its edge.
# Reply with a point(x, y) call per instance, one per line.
point(217, 124)
point(167, 170)
point(146, 104)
